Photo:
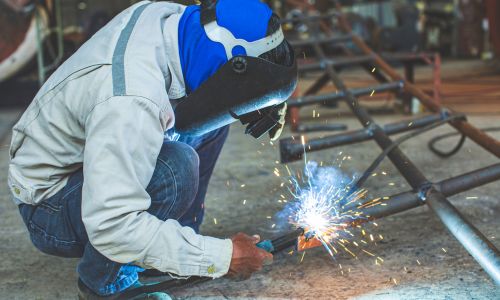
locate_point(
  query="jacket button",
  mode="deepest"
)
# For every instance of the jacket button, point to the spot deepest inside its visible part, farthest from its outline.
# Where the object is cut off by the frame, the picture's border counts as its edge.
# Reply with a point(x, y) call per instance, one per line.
point(211, 269)
point(17, 191)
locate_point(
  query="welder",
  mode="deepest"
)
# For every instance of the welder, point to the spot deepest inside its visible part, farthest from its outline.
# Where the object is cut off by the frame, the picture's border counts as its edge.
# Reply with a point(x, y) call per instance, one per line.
point(111, 161)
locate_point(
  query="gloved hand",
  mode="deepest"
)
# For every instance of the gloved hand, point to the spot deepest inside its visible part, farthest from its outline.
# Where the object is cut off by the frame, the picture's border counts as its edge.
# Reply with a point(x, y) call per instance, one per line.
point(247, 258)
point(275, 132)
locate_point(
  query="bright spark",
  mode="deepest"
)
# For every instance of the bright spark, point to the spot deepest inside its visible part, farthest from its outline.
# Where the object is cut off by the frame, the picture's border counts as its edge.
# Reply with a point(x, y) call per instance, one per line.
point(318, 204)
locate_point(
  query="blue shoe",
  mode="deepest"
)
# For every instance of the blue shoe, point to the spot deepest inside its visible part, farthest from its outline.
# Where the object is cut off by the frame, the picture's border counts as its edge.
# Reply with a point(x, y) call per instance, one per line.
point(84, 293)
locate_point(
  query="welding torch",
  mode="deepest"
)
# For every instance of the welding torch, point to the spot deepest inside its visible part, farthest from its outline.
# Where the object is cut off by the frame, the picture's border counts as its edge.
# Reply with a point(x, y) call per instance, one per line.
point(274, 246)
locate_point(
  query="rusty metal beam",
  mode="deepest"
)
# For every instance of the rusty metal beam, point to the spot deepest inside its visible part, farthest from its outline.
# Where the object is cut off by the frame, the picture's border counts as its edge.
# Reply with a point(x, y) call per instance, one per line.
point(472, 132)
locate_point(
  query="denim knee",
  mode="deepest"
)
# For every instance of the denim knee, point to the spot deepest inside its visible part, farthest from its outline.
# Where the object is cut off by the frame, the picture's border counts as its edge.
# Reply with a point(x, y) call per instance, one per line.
point(174, 184)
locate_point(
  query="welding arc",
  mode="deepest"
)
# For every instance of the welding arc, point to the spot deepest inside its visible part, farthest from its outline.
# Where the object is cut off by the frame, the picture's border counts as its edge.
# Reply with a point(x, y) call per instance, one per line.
point(395, 144)
point(433, 141)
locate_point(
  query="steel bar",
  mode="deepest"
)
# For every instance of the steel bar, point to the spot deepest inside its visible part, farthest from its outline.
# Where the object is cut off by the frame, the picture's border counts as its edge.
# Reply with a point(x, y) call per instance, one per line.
point(291, 149)
point(330, 97)
point(326, 40)
point(411, 199)
point(338, 62)
point(483, 251)
point(469, 180)
point(395, 204)
point(317, 85)
point(314, 88)
point(396, 143)
point(486, 141)
point(474, 242)
point(411, 173)
point(320, 127)
point(360, 59)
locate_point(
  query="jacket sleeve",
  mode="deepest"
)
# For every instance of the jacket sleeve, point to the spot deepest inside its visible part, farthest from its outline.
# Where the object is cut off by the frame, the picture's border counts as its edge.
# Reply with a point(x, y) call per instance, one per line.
point(123, 139)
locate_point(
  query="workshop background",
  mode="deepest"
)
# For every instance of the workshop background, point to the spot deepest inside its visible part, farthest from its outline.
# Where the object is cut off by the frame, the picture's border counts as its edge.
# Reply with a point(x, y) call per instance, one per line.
point(418, 66)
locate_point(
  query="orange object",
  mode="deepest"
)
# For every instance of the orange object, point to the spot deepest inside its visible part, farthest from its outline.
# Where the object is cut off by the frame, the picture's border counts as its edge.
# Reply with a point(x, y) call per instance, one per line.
point(307, 243)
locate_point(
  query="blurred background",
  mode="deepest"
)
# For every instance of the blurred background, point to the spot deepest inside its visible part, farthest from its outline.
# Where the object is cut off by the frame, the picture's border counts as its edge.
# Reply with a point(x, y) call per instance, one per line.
point(37, 36)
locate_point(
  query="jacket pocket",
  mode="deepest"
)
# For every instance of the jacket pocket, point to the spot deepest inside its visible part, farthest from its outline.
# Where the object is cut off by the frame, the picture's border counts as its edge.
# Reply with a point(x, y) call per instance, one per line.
point(19, 189)
point(15, 144)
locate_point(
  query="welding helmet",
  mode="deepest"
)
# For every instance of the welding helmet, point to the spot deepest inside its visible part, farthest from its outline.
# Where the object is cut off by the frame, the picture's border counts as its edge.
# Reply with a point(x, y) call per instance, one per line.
point(245, 88)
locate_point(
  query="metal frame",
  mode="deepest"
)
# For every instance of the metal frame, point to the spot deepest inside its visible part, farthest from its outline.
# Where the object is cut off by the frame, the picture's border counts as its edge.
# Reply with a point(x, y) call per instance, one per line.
point(424, 192)
point(339, 40)
point(432, 194)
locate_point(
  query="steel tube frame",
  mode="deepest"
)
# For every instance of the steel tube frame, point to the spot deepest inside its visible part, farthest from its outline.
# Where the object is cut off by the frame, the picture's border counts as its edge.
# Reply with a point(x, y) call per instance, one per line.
point(291, 149)
point(473, 241)
point(333, 39)
point(340, 62)
point(320, 127)
point(333, 97)
point(486, 141)
point(395, 204)
point(355, 60)
point(411, 199)
point(485, 253)
point(427, 193)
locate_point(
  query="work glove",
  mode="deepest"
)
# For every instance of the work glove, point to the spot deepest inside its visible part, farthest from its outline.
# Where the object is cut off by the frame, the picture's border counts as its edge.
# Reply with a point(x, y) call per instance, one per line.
point(280, 115)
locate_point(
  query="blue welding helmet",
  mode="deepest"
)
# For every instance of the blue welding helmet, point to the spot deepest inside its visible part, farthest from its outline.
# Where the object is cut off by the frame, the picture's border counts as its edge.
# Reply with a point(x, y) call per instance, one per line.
point(245, 88)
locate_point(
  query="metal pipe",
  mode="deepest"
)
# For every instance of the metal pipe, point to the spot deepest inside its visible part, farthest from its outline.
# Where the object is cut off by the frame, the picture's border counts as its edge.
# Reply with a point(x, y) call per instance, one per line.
point(320, 127)
point(469, 180)
point(474, 242)
point(336, 63)
point(322, 40)
point(291, 149)
point(395, 204)
point(331, 97)
point(411, 199)
point(409, 171)
point(483, 251)
point(354, 61)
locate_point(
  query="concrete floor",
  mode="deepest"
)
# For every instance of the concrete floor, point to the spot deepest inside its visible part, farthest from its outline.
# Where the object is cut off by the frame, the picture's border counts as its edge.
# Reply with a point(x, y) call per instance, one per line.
point(409, 237)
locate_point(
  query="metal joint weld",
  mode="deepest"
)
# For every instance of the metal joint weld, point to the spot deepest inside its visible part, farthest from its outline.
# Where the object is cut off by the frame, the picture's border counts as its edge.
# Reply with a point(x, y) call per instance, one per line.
point(424, 190)
point(370, 129)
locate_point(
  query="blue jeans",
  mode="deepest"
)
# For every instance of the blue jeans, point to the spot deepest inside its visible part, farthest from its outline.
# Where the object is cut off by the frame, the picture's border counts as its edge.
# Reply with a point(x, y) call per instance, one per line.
point(177, 189)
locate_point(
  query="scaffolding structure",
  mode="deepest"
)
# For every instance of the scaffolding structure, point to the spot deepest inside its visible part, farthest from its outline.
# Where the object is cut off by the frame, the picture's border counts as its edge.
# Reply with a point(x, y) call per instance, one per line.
point(424, 192)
